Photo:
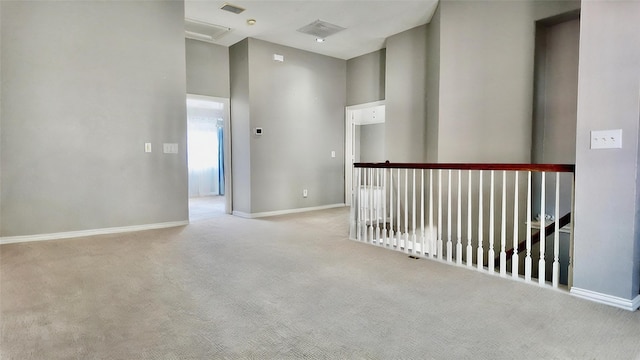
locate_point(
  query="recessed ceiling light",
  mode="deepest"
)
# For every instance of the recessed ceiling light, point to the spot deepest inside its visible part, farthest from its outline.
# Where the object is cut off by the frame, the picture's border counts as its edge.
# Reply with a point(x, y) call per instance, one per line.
point(251, 21)
point(319, 40)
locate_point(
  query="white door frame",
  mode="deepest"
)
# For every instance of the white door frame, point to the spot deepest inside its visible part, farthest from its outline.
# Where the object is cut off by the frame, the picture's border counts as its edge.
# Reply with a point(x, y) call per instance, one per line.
point(228, 203)
point(351, 120)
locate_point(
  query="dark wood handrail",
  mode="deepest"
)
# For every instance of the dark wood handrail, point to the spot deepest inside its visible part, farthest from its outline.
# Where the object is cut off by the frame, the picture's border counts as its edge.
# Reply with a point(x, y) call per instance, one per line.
point(471, 166)
point(535, 238)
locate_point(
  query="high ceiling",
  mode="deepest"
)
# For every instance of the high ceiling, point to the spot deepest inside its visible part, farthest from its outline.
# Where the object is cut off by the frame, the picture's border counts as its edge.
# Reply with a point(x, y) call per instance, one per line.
point(367, 23)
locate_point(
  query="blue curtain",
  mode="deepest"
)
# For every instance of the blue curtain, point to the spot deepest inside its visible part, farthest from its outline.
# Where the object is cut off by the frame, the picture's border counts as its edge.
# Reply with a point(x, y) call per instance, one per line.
point(220, 161)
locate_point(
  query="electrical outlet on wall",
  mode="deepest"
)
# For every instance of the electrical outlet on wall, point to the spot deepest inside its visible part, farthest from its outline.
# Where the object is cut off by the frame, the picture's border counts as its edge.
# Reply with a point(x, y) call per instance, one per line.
point(305, 193)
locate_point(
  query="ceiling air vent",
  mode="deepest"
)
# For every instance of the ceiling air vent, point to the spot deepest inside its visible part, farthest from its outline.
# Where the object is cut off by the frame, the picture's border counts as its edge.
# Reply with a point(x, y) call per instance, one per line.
point(232, 8)
point(199, 30)
point(320, 29)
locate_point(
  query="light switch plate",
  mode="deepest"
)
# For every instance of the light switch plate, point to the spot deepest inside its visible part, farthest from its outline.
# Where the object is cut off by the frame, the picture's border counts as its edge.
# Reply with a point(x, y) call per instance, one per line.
point(606, 139)
point(147, 147)
point(170, 148)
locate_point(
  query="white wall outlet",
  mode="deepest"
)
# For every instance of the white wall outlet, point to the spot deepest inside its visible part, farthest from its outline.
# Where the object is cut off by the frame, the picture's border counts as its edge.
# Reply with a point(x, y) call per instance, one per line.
point(147, 147)
point(606, 139)
point(333, 154)
point(170, 148)
point(278, 57)
point(305, 193)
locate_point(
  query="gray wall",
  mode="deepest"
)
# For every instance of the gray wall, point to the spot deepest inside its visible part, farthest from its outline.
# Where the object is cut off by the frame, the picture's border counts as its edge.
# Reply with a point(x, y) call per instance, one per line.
point(207, 69)
point(556, 93)
point(1, 118)
point(371, 141)
point(85, 85)
point(486, 78)
point(607, 236)
point(406, 96)
point(555, 104)
point(366, 78)
point(433, 87)
point(300, 104)
point(240, 127)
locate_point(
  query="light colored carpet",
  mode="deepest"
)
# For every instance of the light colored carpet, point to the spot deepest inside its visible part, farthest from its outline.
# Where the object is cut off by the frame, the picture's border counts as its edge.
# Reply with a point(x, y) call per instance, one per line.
point(283, 287)
point(205, 207)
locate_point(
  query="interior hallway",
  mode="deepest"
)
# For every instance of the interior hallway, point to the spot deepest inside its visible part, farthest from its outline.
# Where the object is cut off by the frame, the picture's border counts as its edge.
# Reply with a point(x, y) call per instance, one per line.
point(282, 287)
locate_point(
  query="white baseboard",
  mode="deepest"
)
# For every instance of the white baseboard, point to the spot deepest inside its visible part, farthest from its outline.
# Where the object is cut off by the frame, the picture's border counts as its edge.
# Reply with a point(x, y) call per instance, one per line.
point(626, 304)
point(284, 212)
point(81, 233)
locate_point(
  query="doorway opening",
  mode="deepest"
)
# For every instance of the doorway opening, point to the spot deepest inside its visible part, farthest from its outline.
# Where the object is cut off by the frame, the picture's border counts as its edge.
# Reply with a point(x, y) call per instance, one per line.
point(208, 157)
point(365, 139)
point(555, 107)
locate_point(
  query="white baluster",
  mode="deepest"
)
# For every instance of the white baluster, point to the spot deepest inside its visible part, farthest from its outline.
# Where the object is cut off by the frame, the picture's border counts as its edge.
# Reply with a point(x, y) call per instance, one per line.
point(503, 230)
point(432, 234)
point(365, 203)
point(358, 204)
point(556, 237)
point(449, 244)
point(491, 254)
point(363, 190)
point(527, 259)
point(391, 206)
point(469, 230)
point(440, 243)
point(571, 232)
point(514, 258)
point(480, 259)
point(406, 211)
point(543, 223)
point(459, 229)
point(371, 227)
point(422, 245)
point(398, 229)
point(413, 215)
point(383, 191)
point(376, 196)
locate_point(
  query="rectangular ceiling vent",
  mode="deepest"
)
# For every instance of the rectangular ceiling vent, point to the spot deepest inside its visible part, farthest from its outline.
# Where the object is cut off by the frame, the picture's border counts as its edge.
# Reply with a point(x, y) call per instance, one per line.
point(232, 8)
point(199, 30)
point(320, 29)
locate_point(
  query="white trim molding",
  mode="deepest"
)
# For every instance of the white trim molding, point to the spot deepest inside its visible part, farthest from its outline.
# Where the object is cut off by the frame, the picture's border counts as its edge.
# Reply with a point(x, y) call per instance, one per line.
point(626, 304)
point(284, 212)
point(92, 232)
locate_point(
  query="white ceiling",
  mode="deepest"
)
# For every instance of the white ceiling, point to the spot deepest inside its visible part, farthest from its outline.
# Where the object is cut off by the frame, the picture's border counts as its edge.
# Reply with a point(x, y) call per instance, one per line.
point(368, 22)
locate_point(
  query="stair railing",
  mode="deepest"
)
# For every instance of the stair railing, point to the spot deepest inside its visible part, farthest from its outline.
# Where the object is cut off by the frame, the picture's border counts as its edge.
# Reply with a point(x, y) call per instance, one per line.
point(467, 214)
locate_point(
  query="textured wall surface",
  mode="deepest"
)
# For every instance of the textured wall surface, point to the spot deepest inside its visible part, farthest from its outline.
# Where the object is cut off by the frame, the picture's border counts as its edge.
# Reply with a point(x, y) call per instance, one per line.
point(607, 241)
point(85, 85)
point(366, 78)
point(207, 69)
point(299, 104)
